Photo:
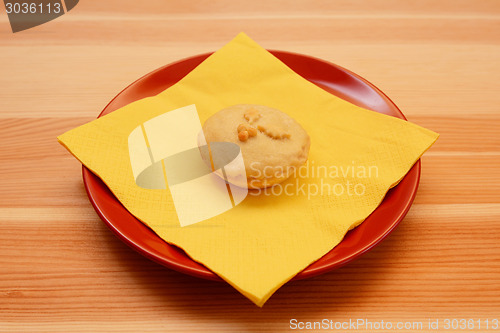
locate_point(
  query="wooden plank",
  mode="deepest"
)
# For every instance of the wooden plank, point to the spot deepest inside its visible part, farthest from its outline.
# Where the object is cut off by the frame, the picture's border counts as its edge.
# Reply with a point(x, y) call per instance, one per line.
point(414, 263)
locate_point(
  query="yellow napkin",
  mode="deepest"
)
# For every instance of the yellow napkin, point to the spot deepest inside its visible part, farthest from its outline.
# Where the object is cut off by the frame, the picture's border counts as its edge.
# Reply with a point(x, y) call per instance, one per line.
point(356, 156)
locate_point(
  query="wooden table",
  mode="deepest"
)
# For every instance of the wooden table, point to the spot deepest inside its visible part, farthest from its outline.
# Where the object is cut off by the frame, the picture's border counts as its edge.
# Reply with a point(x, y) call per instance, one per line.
point(62, 270)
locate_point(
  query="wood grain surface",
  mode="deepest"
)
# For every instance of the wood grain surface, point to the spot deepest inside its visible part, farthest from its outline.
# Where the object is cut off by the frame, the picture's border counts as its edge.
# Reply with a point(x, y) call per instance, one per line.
point(62, 270)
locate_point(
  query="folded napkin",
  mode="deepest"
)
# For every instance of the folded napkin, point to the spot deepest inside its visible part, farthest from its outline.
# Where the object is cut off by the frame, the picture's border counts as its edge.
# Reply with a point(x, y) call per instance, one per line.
point(356, 156)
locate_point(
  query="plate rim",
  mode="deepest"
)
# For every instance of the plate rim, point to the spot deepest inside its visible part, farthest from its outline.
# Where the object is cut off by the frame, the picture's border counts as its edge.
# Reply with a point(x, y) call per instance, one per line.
point(205, 272)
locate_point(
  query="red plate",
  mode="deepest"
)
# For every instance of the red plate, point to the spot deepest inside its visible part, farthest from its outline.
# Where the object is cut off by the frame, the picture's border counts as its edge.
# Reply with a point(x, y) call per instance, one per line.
point(334, 79)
